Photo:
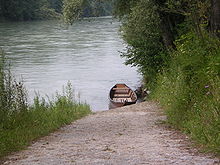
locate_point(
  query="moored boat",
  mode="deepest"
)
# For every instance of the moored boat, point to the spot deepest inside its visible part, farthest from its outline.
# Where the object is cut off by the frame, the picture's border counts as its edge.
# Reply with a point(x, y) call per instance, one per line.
point(121, 95)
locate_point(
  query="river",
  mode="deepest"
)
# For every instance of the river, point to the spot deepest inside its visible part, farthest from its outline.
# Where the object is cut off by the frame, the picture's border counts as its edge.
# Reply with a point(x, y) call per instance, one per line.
point(48, 54)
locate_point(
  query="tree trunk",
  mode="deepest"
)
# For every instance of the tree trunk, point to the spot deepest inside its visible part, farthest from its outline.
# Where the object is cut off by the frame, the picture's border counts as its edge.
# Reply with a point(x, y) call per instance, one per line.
point(215, 17)
point(167, 34)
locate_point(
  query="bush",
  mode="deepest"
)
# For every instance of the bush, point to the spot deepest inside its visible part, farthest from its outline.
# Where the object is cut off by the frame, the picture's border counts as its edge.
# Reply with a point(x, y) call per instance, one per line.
point(141, 31)
point(189, 89)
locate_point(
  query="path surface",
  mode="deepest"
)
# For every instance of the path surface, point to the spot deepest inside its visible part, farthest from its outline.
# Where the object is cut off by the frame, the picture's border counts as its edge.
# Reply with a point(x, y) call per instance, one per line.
point(126, 136)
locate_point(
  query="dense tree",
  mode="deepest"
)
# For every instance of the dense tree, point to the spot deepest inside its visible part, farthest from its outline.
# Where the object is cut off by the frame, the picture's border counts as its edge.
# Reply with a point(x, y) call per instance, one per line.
point(73, 9)
point(56, 4)
point(123, 7)
point(96, 8)
point(141, 30)
point(194, 16)
point(148, 30)
point(19, 10)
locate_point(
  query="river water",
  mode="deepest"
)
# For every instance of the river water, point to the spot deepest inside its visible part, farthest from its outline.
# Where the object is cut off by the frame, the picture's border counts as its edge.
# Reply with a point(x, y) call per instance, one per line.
point(48, 54)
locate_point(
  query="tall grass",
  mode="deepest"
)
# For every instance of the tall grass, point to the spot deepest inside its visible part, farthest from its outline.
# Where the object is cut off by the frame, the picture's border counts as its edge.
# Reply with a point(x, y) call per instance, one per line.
point(21, 123)
point(189, 90)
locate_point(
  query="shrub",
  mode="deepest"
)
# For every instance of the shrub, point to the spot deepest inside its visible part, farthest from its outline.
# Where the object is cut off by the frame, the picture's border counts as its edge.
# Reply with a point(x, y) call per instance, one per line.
point(189, 89)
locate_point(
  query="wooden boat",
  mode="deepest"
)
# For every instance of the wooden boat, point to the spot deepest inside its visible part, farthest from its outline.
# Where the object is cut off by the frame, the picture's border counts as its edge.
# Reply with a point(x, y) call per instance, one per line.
point(121, 95)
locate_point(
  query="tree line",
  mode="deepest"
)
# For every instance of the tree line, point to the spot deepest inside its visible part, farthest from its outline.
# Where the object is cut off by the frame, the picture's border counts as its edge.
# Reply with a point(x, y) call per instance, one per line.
point(23, 10)
point(151, 27)
point(96, 8)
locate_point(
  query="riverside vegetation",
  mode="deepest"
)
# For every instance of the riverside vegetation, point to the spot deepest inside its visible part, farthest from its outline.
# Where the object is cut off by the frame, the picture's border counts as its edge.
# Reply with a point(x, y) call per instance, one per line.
point(176, 46)
point(24, 10)
point(21, 123)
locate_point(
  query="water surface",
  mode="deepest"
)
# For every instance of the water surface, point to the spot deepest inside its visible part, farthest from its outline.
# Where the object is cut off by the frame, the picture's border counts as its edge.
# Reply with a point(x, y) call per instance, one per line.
point(48, 54)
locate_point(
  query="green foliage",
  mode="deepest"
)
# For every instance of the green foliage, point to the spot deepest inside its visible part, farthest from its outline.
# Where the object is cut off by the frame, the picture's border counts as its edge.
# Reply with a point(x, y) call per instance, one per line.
point(186, 72)
point(24, 10)
point(198, 12)
point(189, 89)
point(12, 93)
point(141, 31)
point(40, 119)
point(21, 123)
point(123, 7)
point(95, 8)
point(72, 10)
point(56, 5)
point(47, 13)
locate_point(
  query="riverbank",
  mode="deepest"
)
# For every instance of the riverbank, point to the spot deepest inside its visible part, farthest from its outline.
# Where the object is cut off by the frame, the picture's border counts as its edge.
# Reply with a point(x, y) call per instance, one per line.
point(128, 135)
point(22, 122)
point(19, 129)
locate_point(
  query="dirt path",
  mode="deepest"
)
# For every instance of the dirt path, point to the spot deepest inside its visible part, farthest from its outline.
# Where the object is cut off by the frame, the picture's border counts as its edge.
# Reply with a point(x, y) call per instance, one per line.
point(125, 136)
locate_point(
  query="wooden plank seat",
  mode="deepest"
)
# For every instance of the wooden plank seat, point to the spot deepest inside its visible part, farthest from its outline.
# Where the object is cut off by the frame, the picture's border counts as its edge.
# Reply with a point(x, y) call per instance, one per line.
point(121, 95)
point(121, 100)
point(121, 89)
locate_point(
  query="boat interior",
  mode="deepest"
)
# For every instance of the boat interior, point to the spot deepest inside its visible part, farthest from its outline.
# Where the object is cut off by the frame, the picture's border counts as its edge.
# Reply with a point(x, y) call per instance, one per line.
point(121, 93)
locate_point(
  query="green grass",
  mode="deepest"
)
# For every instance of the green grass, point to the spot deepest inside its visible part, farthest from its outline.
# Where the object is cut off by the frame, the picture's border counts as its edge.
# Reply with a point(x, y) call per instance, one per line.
point(21, 123)
point(189, 90)
point(20, 128)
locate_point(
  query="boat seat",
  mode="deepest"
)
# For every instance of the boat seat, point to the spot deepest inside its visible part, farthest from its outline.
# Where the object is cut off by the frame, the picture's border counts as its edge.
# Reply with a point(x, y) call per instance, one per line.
point(124, 94)
point(121, 95)
point(121, 100)
point(120, 88)
point(121, 91)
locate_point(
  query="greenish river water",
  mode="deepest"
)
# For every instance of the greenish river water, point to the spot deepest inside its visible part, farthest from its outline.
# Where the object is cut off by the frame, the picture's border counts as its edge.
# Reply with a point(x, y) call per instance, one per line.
point(48, 54)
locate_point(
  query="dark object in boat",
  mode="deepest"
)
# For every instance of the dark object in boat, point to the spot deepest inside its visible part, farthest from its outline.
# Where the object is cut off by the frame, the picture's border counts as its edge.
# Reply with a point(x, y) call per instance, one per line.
point(121, 95)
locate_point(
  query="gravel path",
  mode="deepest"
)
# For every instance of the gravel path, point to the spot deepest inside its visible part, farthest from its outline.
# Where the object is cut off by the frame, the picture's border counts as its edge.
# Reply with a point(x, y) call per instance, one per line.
point(124, 136)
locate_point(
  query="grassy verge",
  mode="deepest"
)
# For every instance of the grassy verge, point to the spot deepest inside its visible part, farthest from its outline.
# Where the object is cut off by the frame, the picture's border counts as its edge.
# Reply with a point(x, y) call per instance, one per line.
point(21, 123)
point(189, 90)
point(21, 128)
